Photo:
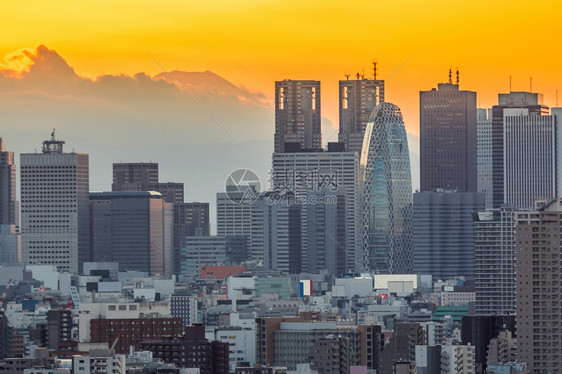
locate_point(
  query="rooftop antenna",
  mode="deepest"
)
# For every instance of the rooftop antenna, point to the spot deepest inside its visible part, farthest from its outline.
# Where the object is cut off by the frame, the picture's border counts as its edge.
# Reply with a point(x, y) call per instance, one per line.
point(374, 70)
point(346, 77)
point(53, 135)
point(557, 98)
point(510, 84)
point(458, 79)
point(357, 75)
point(363, 75)
point(530, 84)
point(450, 76)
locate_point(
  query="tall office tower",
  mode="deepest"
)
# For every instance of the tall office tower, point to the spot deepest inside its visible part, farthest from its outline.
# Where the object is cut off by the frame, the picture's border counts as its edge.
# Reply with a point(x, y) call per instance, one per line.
point(337, 172)
point(7, 186)
point(358, 98)
point(134, 229)
point(326, 230)
point(484, 154)
point(518, 100)
point(444, 233)
point(297, 116)
point(134, 176)
point(54, 207)
point(233, 214)
point(538, 260)
point(10, 244)
point(276, 232)
point(190, 219)
point(387, 193)
point(494, 261)
point(532, 156)
point(172, 192)
point(448, 138)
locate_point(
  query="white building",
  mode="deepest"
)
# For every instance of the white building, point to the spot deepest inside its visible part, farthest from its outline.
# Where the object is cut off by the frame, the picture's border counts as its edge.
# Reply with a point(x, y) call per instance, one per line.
point(532, 156)
point(484, 153)
point(90, 311)
point(233, 215)
point(457, 359)
point(54, 207)
point(99, 364)
point(241, 345)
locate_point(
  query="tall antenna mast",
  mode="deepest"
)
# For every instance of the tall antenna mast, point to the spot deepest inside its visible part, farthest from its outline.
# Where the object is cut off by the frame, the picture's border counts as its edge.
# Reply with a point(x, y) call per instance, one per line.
point(510, 84)
point(458, 80)
point(374, 70)
point(530, 84)
point(450, 76)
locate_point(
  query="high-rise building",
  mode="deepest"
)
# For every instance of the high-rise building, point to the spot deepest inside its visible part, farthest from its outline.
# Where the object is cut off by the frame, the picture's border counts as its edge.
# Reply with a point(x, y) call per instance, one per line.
point(538, 260)
point(190, 219)
point(134, 176)
point(313, 172)
point(326, 231)
point(10, 244)
point(134, 229)
point(448, 138)
point(54, 207)
point(195, 218)
point(233, 214)
point(8, 212)
point(387, 193)
point(172, 192)
point(444, 233)
point(297, 116)
point(494, 261)
point(358, 98)
point(532, 156)
point(484, 154)
point(276, 232)
point(518, 100)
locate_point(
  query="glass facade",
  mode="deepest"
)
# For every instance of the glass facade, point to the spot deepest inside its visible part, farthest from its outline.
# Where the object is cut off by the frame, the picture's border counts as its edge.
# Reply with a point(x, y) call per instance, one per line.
point(387, 193)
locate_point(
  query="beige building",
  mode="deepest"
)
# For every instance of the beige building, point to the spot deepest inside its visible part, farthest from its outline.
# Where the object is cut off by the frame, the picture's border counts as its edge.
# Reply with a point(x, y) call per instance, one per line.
point(538, 271)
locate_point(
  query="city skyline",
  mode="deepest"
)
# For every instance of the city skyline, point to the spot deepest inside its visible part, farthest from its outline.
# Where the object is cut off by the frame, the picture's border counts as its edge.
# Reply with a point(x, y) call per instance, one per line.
point(329, 38)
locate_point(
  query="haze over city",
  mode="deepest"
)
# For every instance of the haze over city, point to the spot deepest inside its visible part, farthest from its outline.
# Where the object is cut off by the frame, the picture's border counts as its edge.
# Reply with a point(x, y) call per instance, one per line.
point(96, 72)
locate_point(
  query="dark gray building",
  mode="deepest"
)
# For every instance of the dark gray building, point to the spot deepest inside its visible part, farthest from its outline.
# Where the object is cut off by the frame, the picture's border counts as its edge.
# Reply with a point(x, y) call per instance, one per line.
point(190, 219)
point(134, 176)
point(134, 229)
point(326, 231)
point(448, 139)
point(7, 186)
point(444, 232)
point(276, 232)
point(332, 355)
point(172, 192)
point(358, 98)
point(297, 116)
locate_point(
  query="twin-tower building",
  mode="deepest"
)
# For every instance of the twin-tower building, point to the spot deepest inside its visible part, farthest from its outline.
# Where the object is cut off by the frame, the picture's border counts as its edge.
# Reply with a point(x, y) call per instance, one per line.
point(368, 167)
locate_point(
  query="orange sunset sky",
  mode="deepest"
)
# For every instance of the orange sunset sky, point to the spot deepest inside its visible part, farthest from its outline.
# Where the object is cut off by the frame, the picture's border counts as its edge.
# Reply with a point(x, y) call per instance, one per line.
point(253, 43)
